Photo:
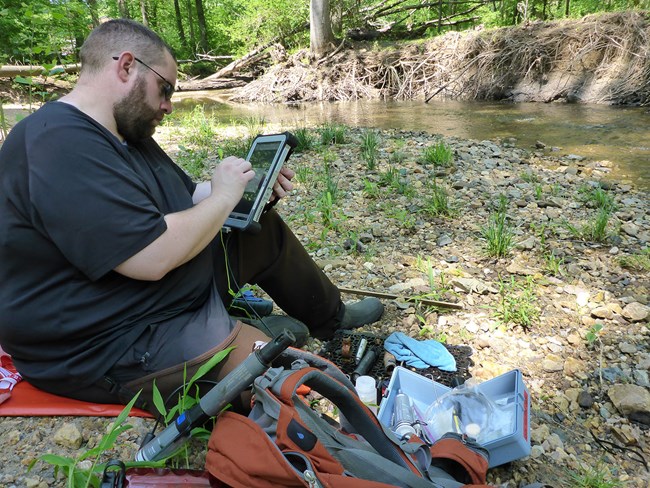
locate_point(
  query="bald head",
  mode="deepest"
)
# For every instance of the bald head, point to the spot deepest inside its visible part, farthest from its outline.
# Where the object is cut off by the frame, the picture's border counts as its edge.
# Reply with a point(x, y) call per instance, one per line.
point(116, 36)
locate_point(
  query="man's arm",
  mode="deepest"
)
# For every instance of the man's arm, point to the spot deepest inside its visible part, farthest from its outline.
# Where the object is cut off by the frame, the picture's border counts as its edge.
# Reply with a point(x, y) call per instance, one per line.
point(190, 231)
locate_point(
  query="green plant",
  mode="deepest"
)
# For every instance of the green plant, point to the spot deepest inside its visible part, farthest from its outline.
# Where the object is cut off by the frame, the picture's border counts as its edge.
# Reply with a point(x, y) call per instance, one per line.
point(201, 128)
point(553, 264)
point(639, 262)
point(396, 179)
point(193, 161)
point(332, 134)
point(233, 147)
point(529, 177)
point(599, 476)
point(369, 148)
point(595, 230)
point(438, 202)
point(305, 139)
point(538, 192)
point(187, 397)
point(303, 173)
point(516, 303)
point(440, 154)
point(599, 198)
point(330, 183)
point(254, 124)
point(404, 217)
point(370, 189)
point(397, 157)
point(326, 208)
point(497, 232)
point(79, 476)
point(592, 336)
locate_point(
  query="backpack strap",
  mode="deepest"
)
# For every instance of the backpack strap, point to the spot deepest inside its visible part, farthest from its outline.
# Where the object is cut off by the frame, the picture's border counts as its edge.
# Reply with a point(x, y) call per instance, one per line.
point(365, 424)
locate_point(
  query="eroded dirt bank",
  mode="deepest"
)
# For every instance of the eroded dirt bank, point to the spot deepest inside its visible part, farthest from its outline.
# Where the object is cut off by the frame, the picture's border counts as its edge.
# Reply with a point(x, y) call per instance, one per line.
point(596, 59)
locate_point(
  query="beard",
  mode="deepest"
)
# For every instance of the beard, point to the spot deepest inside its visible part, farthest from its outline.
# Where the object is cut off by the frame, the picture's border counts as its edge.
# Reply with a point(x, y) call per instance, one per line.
point(135, 120)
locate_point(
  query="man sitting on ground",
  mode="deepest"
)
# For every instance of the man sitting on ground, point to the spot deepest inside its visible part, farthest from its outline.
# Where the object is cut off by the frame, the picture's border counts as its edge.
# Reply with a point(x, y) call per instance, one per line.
point(114, 270)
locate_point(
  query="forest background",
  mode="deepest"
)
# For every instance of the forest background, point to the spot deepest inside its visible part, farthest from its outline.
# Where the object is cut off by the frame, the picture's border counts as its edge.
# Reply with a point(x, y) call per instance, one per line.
point(207, 34)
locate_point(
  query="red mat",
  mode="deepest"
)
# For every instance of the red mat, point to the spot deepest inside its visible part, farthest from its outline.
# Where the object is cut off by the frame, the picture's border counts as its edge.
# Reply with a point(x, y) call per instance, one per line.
point(28, 401)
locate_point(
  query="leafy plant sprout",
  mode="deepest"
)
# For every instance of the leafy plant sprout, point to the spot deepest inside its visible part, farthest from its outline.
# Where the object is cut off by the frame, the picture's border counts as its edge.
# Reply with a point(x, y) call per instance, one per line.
point(305, 139)
point(498, 233)
point(599, 476)
point(440, 154)
point(516, 303)
point(437, 203)
point(639, 261)
point(85, 469)
point(370, 148)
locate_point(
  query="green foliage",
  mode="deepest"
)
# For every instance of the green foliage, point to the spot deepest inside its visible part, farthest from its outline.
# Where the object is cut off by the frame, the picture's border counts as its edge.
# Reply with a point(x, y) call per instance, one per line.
point(306, 140)
point(332, 134)
point(370, 189)
point(188, 396)
point(516, 303)
point(553, 264)
point(193, 161)
point(437, 204)
point(440, 154)
point(599, 476)
point(594, 333)
point(42, 31)
point(594, 230)
point(79, 476)
point(370, 148)
point(396, 180)
point(497, 233)
point(638, 262)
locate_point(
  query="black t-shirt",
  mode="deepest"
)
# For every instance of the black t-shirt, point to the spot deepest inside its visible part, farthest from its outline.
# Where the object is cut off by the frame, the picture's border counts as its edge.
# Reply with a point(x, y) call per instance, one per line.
point(74, 203)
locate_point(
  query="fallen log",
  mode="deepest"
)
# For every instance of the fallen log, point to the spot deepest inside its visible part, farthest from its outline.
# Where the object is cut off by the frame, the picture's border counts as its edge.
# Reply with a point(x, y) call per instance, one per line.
point(212, 84)
point(9, 71)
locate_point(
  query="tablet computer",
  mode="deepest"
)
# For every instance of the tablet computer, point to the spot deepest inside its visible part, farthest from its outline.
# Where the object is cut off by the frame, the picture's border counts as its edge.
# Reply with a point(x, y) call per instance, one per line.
point(267, 154)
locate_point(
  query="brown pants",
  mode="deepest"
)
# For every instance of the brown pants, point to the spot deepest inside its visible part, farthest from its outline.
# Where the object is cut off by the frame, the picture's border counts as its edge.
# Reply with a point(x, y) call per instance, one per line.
point(172, 351)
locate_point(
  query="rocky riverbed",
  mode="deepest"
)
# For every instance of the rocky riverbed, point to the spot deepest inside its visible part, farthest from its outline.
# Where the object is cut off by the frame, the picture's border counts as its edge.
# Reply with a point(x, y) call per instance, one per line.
point(567, 303)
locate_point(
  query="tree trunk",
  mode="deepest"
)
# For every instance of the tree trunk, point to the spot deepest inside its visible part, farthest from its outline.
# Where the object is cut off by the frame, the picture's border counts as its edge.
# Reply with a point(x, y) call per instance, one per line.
point(567, 11)
point(179, 25)
point(121, 7)
point(92, 6)
point(190, 23)
point(321, 37)
point(203, 30)
point(143, 11)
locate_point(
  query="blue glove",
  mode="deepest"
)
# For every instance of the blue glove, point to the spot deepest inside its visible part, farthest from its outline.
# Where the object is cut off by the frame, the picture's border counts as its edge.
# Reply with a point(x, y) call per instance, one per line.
point(419, 354)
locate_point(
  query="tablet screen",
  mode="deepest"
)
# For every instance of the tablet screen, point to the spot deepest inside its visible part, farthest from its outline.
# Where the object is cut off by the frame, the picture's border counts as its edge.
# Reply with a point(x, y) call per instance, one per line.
point(263, 155)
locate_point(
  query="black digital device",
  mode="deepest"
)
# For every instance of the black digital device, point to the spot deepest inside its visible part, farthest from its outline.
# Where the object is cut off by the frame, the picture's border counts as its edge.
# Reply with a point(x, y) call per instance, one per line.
point(267, 154)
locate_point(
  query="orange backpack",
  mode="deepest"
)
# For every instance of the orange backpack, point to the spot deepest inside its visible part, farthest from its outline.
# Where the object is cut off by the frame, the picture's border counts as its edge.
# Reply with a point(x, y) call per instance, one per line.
point(284, 443)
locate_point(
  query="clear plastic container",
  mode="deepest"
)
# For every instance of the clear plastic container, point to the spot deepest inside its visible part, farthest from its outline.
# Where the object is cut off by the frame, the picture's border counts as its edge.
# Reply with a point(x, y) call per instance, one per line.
point(367, 390)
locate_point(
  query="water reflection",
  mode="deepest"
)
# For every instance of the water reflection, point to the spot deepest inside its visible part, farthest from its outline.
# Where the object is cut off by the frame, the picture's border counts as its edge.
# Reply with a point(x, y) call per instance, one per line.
point(617, 134)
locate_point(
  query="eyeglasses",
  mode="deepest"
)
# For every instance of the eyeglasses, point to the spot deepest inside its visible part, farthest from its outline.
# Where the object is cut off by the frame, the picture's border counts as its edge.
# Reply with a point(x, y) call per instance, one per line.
point(167, 88)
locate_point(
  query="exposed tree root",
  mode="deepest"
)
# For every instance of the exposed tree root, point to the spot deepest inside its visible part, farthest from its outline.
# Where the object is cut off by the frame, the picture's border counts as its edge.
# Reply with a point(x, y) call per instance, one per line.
point(597, 59)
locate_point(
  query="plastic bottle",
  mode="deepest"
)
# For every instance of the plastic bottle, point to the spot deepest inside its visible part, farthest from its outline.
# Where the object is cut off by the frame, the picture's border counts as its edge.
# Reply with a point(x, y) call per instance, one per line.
point(367, 391)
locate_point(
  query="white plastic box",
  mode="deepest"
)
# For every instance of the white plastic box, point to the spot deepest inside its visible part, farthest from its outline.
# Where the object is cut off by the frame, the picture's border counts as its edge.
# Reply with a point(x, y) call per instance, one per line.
point(507, 390)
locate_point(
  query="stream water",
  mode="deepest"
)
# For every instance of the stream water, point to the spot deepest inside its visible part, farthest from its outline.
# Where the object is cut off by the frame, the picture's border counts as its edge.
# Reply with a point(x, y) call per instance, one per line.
point(620, 135)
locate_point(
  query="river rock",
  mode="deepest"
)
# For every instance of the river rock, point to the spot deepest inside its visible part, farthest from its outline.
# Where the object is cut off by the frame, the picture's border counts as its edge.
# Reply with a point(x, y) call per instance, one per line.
point(632, 401)
point(552, 363)
point(635, 312)
point(630, 229)
point(602, 313)
point(68, 436)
